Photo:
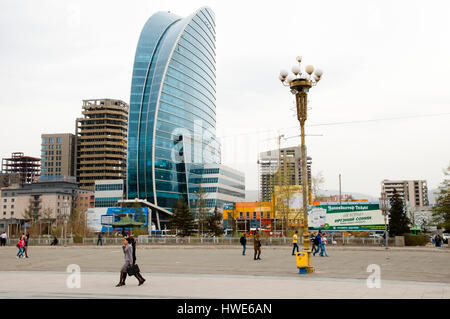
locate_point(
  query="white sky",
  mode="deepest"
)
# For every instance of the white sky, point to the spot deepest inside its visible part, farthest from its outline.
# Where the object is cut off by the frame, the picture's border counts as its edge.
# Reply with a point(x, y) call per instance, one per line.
point(381, 59)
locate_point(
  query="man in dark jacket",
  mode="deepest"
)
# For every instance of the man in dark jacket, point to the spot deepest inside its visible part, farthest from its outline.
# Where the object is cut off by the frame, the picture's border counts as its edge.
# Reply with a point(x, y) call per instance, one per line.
point(313, 242)
point(100, 239)
point(318, 240)
point(243, 241)
point(257, 246)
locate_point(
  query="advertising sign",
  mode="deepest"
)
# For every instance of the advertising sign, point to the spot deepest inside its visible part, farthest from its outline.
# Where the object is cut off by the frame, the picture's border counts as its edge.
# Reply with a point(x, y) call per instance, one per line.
point(99, 219)
point(346, 217)
point(107, 219)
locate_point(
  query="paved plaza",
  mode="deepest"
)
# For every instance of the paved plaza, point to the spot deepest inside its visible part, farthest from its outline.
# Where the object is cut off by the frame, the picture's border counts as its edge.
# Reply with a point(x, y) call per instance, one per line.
point(222, 272)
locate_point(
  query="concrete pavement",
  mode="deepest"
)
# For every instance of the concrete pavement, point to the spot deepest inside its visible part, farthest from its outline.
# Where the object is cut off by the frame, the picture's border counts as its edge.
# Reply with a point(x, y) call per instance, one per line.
point(49, 284)
point(199, 272)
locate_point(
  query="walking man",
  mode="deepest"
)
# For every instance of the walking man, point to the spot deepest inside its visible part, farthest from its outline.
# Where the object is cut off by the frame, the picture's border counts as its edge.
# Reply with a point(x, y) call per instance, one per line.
point(324, 245)
point(243, 241)
point(3, 239)
point(25, 247)
point(313, 242)
point(100, 239)
point(319, 244)
point(257, 246)
point(295, 242)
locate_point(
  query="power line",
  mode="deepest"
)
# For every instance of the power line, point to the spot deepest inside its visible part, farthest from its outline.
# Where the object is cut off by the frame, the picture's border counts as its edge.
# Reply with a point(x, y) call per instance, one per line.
point(341, 123)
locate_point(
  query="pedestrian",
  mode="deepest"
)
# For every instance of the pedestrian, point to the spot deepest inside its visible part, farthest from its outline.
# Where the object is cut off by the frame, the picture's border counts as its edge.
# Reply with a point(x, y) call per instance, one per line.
point(257, 246)
point(324, 245)
point(99, 239)
point(438, 240)
point(243, 241)
point(384, 239)
point(3, 239)
point(313, 242)
point(138, 275)
point(295, 242)
point(128, 254)
point(54, 242)
point(20, 245)
point(318, 240)
point(25, 247)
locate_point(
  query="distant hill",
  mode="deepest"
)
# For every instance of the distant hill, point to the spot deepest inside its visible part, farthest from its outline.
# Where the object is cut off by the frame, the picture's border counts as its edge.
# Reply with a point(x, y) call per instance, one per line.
point(354, 195)
point(252, 195)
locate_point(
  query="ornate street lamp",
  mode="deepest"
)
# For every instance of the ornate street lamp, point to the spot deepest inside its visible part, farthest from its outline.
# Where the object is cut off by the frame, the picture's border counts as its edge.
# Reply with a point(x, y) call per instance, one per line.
point(300, 83)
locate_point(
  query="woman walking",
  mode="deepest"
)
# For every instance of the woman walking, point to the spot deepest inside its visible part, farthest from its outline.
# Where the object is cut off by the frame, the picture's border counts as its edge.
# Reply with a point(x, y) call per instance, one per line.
point(129, 252)
point(20, 245)
point(138, 274)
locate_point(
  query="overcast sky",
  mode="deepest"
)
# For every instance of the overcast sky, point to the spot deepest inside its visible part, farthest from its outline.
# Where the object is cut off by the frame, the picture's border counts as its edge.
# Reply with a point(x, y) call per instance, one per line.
point(381, 60)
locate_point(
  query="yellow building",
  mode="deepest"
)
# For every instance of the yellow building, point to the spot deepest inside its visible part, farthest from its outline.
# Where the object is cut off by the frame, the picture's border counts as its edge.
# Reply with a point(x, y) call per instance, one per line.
point(246, 216)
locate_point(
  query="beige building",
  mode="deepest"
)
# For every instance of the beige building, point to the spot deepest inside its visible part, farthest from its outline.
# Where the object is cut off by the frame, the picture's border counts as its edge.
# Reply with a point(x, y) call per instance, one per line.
point(413, 192)
point(47, 200)
point(101, 138)
point(291, 169)
point(58, 154)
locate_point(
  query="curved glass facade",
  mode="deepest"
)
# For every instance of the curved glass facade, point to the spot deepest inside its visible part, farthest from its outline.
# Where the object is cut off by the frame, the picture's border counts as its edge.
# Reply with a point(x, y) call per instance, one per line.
point(172, 119)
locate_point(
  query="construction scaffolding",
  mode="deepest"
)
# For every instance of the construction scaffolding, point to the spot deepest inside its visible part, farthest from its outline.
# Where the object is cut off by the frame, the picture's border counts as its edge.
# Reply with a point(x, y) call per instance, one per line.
point(29, 168)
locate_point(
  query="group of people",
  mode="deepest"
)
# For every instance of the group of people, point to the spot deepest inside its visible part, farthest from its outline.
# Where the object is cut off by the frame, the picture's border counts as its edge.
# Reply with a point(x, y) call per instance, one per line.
point(319, 242)
point(256, 245)
point(22, 244)
point(437, 240)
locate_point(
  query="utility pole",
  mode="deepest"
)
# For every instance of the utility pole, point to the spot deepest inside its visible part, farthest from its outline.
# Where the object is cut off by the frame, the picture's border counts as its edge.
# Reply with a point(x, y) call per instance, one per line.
point(384, 207)
point(340, 194)
point(279, 181)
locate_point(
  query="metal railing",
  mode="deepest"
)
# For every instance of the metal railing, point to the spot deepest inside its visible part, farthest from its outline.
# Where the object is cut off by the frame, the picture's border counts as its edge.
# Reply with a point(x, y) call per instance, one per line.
point(146, 240)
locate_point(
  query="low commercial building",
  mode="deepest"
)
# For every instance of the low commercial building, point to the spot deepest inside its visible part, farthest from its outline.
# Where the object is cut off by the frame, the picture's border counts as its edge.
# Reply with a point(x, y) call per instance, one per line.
point(46, 199)
point(247, 216)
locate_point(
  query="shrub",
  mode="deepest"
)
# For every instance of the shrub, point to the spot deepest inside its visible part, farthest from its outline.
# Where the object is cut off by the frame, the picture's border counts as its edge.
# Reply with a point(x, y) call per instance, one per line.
point(77, 239)
point(415, 240)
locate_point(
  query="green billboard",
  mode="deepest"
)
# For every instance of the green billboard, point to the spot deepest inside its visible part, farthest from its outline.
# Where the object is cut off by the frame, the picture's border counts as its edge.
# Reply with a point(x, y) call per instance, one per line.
point(346, 217)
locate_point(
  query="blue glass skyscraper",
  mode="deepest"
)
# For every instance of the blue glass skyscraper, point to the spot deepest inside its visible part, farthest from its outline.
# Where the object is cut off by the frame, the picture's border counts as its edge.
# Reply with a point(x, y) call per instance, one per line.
point(172, 118)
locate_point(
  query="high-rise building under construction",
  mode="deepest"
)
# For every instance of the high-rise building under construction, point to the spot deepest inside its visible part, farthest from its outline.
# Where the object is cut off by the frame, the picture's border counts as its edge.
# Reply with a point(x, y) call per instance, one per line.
point(290, 170)
point(101, 139)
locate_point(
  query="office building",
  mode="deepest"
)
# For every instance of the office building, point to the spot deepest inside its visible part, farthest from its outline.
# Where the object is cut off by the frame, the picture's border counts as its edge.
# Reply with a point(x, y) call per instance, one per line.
point(58, 154)
point(172, 128)
point(291, 170)
point(108, 192)
point(101, 139)
point(414, 193)
point(28, 167)
point(221, 184)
